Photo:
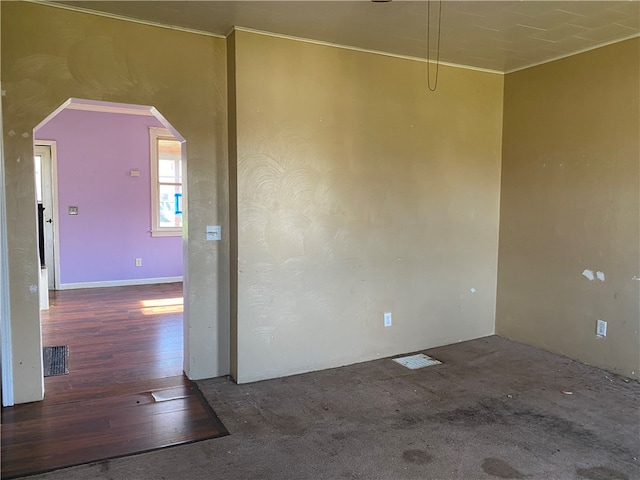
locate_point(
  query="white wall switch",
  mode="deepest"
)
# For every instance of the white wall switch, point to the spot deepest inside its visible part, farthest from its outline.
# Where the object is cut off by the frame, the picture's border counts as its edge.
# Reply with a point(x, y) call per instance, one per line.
point(387, 319)
point(213, 232)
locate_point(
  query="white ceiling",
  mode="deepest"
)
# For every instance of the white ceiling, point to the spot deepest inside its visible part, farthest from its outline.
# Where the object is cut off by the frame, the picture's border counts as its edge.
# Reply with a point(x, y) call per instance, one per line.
point(502, 35)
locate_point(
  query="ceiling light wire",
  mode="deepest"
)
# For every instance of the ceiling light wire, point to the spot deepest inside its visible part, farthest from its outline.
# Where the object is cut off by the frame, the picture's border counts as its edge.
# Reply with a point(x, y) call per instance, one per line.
point(435, 83)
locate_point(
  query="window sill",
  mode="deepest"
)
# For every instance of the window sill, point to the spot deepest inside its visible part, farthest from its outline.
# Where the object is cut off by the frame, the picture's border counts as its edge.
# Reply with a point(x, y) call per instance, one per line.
point(166, 233)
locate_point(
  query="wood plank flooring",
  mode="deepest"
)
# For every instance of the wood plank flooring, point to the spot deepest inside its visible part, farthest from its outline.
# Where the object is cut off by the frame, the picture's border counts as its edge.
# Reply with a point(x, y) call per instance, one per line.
point(125, 392)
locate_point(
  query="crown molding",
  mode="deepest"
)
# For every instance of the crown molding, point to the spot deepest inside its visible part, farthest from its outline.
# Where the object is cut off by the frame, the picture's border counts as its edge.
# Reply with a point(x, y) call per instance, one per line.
point(358, 49)
point(560, 57)
point(123, 18)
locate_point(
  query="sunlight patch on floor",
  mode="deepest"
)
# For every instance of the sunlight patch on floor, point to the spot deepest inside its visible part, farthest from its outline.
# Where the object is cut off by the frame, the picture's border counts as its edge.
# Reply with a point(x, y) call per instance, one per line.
point(162, 305)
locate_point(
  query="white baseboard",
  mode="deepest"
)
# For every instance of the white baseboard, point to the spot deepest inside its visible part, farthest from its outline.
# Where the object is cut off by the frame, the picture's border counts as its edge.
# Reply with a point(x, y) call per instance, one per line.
point(119, 283)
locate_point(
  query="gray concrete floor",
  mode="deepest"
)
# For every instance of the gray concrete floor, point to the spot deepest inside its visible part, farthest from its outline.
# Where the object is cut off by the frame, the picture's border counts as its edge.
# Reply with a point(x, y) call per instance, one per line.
point(493, 409)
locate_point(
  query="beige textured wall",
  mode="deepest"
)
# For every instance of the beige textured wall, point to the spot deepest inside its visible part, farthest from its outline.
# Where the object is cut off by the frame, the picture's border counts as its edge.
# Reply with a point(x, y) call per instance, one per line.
point(49, 55)
point(360, 192)
point(570, 203)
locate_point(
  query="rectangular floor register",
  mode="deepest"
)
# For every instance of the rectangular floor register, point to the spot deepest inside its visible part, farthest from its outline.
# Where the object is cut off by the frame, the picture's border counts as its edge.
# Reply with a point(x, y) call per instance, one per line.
point(417, 361)
point(54, 360)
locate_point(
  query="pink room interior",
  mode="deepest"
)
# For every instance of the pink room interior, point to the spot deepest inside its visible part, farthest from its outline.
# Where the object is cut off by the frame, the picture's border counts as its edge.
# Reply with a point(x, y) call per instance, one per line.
point(103, 169)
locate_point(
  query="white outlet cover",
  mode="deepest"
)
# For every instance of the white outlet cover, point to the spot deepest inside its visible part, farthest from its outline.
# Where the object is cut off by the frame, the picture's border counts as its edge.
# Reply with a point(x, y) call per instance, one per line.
point(417, 361)
point(601, 328)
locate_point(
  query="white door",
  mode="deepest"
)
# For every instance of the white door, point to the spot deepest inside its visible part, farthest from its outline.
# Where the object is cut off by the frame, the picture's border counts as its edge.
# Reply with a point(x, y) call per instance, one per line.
point(44, 194)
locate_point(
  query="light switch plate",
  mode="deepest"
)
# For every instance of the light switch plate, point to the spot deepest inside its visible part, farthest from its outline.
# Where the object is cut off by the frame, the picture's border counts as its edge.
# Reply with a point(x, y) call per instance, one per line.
point(213, 232)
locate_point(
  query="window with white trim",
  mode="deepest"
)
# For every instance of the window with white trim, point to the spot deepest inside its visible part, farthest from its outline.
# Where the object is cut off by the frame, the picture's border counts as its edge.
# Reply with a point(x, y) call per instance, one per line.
point(166, 183)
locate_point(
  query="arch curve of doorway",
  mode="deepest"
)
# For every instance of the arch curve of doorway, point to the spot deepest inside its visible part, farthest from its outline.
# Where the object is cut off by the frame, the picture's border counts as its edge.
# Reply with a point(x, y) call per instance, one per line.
point(108, 170)
point(191, 332)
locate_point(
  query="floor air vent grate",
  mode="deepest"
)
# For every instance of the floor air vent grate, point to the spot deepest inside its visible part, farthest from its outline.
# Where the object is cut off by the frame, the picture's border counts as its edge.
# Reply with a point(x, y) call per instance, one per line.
point(55, 360)
point(417, 361)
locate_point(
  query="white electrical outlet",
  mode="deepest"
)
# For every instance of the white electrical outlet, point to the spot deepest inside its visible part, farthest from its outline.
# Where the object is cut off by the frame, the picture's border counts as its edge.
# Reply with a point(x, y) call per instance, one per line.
point(387, 319)
point(138, 262)
point(601, 328)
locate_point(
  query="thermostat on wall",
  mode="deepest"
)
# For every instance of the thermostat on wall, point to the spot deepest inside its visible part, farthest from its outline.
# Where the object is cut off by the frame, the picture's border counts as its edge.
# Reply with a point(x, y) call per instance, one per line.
point(73, 210)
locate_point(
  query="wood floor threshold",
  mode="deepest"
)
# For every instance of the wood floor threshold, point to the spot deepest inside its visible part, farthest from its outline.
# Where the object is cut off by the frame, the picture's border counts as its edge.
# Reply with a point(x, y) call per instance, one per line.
point(134, 443)
point(120, 354)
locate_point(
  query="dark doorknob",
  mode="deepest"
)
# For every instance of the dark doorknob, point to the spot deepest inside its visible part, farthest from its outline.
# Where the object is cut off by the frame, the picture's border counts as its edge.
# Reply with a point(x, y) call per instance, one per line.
point(50, 220)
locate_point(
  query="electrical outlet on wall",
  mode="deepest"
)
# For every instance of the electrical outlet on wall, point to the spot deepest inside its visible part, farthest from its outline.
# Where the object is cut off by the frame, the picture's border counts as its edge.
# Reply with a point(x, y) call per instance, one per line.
point(138, 262)
point(601, 329)
point(387, 319)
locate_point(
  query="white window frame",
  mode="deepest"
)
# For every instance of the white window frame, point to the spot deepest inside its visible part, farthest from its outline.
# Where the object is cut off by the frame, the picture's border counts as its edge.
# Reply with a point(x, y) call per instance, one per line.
point(156, 134)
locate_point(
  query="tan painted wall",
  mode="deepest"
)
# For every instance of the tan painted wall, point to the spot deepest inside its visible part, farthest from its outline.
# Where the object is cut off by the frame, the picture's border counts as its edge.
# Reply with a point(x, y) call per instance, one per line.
point(360, 192)
point(570, 202)
point(49, 55)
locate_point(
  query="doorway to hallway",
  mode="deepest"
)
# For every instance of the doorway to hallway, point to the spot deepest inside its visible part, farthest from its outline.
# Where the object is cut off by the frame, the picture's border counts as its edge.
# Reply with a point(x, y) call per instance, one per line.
point(45, 171)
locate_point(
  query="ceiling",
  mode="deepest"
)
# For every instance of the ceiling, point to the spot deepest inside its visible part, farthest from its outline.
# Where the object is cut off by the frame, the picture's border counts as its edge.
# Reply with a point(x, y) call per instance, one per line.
point(498, 35)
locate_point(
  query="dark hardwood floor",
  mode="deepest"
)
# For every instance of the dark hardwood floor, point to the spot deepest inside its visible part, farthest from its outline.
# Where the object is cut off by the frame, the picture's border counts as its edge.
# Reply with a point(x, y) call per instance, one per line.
point(125, 392)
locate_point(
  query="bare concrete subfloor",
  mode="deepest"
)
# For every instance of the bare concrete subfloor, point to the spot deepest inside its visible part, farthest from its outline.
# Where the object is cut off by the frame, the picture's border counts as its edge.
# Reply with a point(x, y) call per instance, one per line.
point(493, 409)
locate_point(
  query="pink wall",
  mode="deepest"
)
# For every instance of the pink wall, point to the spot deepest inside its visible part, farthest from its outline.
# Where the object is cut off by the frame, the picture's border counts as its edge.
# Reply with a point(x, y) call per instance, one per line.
point(96, 152)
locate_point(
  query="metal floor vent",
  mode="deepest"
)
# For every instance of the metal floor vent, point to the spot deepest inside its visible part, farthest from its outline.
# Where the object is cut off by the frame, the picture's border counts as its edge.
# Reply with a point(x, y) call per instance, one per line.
point(417, 361)
point(55, 360)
